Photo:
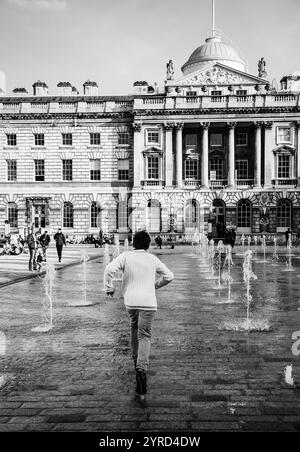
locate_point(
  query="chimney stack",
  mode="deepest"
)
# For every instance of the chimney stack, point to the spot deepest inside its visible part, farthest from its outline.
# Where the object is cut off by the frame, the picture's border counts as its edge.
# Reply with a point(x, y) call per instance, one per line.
point(90, 88)
point(40, 88)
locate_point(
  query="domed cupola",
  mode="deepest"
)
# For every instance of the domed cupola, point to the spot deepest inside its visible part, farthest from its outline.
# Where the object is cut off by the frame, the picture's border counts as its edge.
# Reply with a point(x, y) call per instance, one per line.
point(215, 50)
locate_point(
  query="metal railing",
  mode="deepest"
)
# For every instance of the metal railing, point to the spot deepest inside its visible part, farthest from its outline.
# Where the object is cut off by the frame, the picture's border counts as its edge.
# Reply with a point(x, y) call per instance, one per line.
point(289, 181)
point(152, 183)
point(244, 182)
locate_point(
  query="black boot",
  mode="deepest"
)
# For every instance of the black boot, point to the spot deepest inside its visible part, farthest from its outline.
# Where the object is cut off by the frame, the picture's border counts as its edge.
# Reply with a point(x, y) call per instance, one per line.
point(141, 383)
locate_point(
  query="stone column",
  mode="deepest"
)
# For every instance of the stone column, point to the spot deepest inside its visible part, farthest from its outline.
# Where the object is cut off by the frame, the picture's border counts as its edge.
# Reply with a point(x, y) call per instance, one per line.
point(231, 156)
point(179, 127)
point(137, 146)
point(297, 146)
point(269, 157)
point(169, 154)
point(204, 155)
point(257, 165)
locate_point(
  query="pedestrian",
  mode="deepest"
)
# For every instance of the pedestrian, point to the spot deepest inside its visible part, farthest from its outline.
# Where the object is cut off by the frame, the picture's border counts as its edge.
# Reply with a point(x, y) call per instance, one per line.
point(158, 241)
point(288, 235)
point(60, 242)
point(44, 241)
point(39, 259)
point(32, 243)
point(139, 283)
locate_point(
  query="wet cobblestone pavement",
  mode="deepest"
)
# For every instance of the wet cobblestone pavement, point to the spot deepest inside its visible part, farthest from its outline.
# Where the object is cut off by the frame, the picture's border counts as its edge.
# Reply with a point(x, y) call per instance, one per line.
point(79, 376)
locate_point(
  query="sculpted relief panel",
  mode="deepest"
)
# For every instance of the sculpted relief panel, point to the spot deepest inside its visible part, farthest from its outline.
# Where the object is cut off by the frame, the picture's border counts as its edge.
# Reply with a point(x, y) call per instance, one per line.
point(215, 76)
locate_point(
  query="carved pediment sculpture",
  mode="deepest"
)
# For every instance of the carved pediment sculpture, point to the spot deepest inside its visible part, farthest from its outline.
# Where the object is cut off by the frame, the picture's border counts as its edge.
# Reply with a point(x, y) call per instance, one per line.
point(215, 76)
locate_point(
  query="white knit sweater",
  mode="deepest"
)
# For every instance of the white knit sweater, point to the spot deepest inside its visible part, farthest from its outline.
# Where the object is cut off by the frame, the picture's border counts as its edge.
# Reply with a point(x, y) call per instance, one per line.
point(139, 278)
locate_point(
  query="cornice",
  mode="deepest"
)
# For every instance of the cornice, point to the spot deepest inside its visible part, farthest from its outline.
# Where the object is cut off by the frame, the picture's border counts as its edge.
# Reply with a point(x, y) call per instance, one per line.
point(222, 111)
point(55, 116)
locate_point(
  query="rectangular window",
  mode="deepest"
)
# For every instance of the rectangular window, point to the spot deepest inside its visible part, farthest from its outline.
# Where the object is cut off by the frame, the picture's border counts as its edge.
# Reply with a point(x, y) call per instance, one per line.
point(123, 138)
point(283, 170)
point(191, 140)
point(95, 139)
point(123, 169)
point(95, 169)
point(191, 169)
point(216, 169)
point(12, 170)
point(13, 215)
point(283, 135)
point(241, 169)
point(153, 167)
point(11, 139)
point(241, 139)
point(39, 139)
point(216, 139)
point(67, 169)
point(153, 137)
point(216, 93)
point(67, 139)
point(39, 170)
point(241, 92)
point(191, 93)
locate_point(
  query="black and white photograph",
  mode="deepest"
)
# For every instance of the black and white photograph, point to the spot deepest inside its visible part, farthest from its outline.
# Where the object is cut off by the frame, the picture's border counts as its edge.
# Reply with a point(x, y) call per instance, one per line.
point(149, 219)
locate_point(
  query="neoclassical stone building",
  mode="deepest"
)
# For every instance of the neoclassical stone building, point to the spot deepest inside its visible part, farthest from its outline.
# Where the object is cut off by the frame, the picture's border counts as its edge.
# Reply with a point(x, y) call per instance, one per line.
point(217, 145)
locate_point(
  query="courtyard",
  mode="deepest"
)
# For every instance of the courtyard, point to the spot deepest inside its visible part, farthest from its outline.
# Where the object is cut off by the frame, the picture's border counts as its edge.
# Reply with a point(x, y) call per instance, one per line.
point(79, 376)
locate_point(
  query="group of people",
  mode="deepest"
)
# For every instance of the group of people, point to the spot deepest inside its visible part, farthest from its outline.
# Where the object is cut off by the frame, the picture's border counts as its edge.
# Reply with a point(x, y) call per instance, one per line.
point(38, 245)
point(11, 245)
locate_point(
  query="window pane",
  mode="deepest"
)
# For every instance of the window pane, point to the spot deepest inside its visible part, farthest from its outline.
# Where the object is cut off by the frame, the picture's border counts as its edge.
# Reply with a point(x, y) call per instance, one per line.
point(153, 136)
point(216, 165)
point(67, 170)
point(95, 215)
point(241, 168)
point(284, 214)
point(123, 138)
point(244, 214)
point(95, 169)
point(283, 170)
point(39, 170)
point(95, 139)
point(122, 214)
point(216, 139)
point(67, 139)
point(153, 167)
point(283, 135)
point(68, 215)
point(39, 139)
point(11, 170)
point(191, 214)
point(11, 139)
point(191, 169)
point(13, 215)
point(241, 139)
point(123, 169)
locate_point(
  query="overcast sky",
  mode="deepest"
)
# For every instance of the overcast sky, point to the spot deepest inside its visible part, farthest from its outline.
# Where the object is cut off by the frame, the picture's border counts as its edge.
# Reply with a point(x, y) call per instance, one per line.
point(117, 42)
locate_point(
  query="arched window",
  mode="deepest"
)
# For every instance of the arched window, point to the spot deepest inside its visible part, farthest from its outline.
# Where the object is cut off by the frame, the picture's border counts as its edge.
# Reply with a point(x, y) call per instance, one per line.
point(191, 214)
point(244, 215)
point(153, 216)
point(12, 215)
point(123, 214)
point(96, 217)
point(68, 215)
point(284, 214)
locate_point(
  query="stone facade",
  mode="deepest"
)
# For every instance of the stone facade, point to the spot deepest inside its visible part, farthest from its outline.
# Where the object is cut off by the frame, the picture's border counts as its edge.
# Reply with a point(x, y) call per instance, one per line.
point(217, 145)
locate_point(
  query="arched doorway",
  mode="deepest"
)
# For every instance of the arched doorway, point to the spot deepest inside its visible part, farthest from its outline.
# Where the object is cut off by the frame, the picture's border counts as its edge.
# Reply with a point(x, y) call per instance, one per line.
point(153, 216)
point(219, 213)
point(244, 216)
point(283, 215)
point(191, 218)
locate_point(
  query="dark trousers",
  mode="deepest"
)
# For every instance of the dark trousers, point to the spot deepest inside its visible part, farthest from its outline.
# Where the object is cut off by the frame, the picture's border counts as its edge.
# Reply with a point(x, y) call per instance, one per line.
point(32, 258)
point(59, 249)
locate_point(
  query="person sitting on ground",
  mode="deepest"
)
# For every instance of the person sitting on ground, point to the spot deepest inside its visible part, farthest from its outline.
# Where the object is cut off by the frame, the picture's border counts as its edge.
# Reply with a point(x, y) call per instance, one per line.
point(139, 269)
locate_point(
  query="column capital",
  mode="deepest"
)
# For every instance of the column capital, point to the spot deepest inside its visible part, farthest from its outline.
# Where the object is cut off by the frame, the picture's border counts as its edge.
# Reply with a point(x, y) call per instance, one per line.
point(179, 125)
point(169, 125)
point(258, 124)
point(297, 123)
point(268, 124)
point(231, 125)
point(205, 125)
point(137, 126)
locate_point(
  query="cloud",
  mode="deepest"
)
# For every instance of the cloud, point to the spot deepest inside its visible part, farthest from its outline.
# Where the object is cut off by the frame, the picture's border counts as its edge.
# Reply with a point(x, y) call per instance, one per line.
point(50, 5)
